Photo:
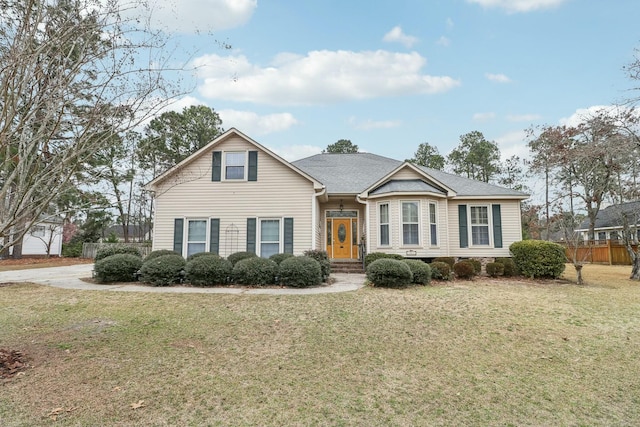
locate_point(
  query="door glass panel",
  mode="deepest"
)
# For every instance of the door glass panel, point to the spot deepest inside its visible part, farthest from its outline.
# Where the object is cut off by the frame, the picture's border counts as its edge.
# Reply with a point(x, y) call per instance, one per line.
point(342, 233)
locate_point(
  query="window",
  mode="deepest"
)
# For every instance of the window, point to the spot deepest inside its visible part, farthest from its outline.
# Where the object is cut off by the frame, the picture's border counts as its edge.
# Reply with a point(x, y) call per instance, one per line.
point(269, 237)
point(479, 225)
point(614, 235)
point(410, 228)
point(433, 225)
point(234, 165)
point(38, 231)
point(384, 224)
point(196, 236)
point(602, 235)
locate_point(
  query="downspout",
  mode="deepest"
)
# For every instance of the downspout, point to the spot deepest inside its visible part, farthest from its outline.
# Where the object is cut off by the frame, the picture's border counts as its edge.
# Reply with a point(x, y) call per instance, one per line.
point(314, 216)
point(367, 222)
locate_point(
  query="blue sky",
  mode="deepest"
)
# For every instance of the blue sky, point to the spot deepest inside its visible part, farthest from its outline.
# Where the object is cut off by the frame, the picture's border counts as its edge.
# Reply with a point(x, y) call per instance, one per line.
point(389, 75)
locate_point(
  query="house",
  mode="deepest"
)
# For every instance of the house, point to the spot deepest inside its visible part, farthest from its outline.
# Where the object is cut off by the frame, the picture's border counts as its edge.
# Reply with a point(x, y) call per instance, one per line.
point(610, 220)
point(236, 195)
point(43, 239)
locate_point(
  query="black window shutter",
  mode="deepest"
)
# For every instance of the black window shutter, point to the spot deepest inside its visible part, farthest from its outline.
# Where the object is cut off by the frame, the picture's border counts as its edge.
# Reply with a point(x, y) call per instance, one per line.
point(214, 236)
point(216, 166)
point(253, 166)
point(288, 235)
point(497, 226)
point(178, 234)
point(462, 226)
point(251, 235)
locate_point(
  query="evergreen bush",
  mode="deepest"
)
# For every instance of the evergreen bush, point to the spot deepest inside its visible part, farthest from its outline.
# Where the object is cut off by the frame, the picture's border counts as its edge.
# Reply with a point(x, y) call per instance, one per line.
point(440, 270)
point(510, 268)
point(389, 273)
point(278, 258)
point(239, 256)
point(112, 249)
point(495, 269)
point(158, 253)
point(420, 270)
point(208, 270)
point(323, 259)
point(118, 268)
point(446, 259)
point(300, 272)
point(477, 266)
point(538, 258)
point(464, 269)
point(163, 270)
point(255, 271)
point(373, 256)
point(199, 254)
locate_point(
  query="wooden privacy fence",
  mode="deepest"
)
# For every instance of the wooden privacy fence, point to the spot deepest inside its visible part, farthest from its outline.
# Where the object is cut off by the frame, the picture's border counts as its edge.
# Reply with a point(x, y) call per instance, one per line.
point(89, 250)
point(612, 252)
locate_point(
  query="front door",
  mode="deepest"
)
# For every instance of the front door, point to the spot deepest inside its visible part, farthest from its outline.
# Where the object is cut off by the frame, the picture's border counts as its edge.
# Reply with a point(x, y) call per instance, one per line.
point(341, 238)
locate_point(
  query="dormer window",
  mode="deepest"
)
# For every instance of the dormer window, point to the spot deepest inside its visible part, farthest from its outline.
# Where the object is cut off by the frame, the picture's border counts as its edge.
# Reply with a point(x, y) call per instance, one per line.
point(234, 165)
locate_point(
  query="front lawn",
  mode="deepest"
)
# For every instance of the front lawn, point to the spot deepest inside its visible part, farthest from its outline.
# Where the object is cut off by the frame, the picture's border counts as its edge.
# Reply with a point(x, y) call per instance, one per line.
point(464, 353)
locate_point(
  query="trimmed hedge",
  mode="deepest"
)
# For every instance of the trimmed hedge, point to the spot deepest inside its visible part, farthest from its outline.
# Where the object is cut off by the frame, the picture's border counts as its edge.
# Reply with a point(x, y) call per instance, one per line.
point(323, 259)
point(495, 269)
point(278, 258)
point(255, 271)
point(107, 251)
point(209, 270)
point(510, 268)
point(239, 256)
point(446, 259)
point(373, 256)
point(477, 265)
point(440, 270)
point(389, 273)
point(160, 252)
point(464, 269)
point(538, 258)
point(163, 270)
point(300, 272)
point(118, 268)
point(420, 270)
point(199, 254)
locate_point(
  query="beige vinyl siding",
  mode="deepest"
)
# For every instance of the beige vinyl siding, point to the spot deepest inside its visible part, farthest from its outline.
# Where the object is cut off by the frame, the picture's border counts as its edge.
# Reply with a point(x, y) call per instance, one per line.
point(511, 228)
point(406, 173)
point(279, 192)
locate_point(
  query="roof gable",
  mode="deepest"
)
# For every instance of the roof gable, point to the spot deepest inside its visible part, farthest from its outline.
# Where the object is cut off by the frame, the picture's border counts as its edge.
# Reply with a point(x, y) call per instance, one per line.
point(612, 216)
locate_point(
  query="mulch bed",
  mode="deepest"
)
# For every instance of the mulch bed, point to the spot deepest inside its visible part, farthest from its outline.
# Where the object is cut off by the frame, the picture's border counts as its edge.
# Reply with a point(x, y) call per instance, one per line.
point(11, 362)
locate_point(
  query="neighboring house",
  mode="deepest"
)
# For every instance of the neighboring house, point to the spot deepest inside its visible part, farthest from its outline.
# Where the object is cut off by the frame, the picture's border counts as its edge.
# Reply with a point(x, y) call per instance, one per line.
point(610, 220)
point(236, 195)
point(44, 238)
point(136, 232)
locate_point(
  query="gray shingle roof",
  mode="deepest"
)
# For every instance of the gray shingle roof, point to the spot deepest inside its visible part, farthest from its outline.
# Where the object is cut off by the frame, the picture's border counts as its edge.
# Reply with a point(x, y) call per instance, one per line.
point(354, 173)
point(611, 216)
point(406, 186)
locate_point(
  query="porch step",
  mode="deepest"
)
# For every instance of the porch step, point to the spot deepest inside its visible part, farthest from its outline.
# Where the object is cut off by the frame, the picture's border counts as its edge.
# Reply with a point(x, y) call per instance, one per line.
point(346, 267)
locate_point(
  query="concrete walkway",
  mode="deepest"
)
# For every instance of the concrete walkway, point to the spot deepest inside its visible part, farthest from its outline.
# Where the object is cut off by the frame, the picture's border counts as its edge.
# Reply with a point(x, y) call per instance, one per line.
point(68, 277)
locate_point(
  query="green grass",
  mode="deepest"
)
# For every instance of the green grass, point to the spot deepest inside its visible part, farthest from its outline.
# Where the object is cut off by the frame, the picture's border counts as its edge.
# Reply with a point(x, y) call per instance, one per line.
point(464, 353)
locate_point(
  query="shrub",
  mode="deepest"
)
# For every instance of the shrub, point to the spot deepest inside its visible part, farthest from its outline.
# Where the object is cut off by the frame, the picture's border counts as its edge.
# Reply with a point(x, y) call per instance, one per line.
point(163, 270)
point(159, 253)
point(72, 249)
point(447, 260)
point(323, 259)
point(118, 268)
point(208, 270)
point(510, 268)
point(440, 270)
point(538, 258)
point(107, 251)
point(495, 269)
point(255, 271)
point(199, 254)
point(477, 265)
point(278, 258)
point(420, 270)
point(464, 269)
point(300, 272)
point(373, 256)
point(389, 273)
point(239, 256)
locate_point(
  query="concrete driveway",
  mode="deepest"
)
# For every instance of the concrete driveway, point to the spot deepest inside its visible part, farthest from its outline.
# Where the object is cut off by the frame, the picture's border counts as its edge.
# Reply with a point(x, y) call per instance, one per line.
point(68, 277)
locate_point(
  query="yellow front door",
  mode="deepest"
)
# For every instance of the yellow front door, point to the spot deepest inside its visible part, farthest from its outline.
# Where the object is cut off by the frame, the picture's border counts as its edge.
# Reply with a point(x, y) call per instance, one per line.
point(341, 238)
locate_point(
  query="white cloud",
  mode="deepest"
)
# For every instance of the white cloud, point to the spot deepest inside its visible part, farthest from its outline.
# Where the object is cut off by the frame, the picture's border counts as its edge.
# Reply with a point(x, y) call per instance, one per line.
point(192, 16)
point(253, 124)
point(514, 6)
point(449, 23)
point(397, 35)
point(481, 117)
point(443, 41)
point(295, 152)
point(320, 77)
point(523, 117)
point(373, 124)
point(498, 78)
point(513, 144)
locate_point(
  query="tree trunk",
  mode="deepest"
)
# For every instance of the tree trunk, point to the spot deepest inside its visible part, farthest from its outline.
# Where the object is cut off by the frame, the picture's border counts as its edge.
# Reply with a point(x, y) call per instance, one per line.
point(579, 274)
point(635, 269)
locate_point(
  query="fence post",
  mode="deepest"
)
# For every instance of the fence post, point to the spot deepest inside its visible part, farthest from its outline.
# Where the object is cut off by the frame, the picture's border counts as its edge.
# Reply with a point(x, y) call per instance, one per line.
point(610, 252)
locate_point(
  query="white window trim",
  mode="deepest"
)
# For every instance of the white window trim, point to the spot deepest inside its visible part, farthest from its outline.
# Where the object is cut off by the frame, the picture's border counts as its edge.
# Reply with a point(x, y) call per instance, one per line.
point(435, 204)
point(401, 232)
point(489, 226)
point(185, 243)
point(280, 234)
point(388, 223)
point(39, 231)
point(245, 167)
